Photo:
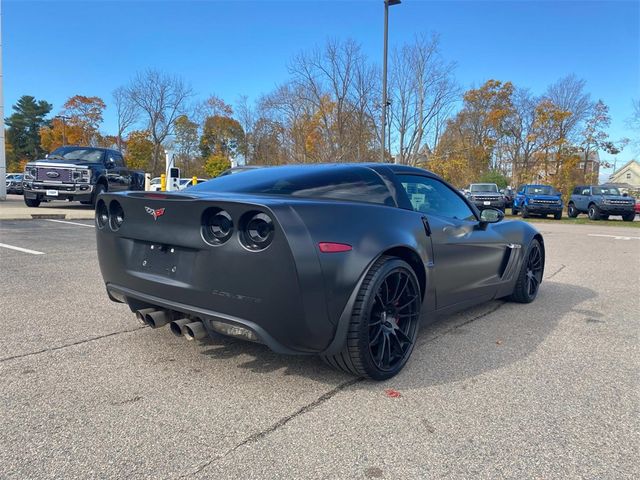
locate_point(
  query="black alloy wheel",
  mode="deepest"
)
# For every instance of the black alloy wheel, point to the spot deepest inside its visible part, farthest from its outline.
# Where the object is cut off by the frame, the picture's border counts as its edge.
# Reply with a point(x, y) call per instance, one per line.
point(384, 322)
point(530, 276)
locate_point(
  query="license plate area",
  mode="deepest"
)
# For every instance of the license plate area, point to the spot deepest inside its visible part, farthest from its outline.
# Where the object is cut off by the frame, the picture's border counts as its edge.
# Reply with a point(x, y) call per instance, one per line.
point(165, 260)
point(52, 193)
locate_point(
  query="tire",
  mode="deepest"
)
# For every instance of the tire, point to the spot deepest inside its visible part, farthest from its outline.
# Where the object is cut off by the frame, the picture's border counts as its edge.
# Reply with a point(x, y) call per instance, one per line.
point(525, 212)
point(629, 217)
point(594, 212)
point(32, 202)
point(100, 188)
point(572, 211)
point(369, 322)
point(530, 275)
point(558, 215)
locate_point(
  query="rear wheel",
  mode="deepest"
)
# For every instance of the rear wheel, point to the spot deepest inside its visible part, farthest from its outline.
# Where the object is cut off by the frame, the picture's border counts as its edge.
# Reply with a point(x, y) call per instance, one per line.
point(530, 275)
point(572, 211)
point(32, 202)
point(384, 322)
point(594, 212)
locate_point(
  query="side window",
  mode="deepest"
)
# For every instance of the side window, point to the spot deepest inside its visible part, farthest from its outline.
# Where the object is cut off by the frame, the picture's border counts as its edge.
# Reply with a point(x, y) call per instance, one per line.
point(431, 196)
point(118, 159)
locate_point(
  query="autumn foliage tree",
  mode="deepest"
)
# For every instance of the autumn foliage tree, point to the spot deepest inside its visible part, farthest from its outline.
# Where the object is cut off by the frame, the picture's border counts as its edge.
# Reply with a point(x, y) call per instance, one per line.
point(85, 114)
point(139, 154)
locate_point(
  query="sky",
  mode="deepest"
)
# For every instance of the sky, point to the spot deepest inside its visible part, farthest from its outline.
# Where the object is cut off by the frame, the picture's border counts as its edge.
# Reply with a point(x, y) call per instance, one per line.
point(55, 49)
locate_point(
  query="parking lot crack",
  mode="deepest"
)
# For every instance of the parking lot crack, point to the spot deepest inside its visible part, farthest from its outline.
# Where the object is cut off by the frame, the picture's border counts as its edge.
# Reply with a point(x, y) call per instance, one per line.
point(280, 423)
point(562, 267)
point(60, 347)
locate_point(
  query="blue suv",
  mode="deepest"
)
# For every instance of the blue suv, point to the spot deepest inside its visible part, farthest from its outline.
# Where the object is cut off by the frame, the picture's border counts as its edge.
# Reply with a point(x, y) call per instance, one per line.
point(537, 200)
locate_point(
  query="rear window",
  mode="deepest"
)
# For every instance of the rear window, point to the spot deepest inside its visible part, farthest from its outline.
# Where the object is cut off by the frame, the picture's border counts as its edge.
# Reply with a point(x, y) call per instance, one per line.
point(338, 183)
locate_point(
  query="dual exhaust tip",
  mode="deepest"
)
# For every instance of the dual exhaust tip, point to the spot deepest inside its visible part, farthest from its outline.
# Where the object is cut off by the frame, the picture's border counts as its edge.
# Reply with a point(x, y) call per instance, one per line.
point(179, 327)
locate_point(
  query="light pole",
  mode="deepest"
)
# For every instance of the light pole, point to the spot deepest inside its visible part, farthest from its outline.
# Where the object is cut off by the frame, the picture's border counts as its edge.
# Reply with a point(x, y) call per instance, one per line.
point(387, 4)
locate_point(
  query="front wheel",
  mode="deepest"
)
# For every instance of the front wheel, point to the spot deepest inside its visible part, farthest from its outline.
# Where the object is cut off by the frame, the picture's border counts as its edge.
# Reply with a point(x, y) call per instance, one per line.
point(530, 276)
point(384, 322)
point(32, 202)
point(572, 211)
point(594, 212)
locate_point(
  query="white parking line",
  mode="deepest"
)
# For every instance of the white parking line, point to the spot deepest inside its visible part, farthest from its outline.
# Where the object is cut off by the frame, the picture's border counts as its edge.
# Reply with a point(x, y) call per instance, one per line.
point(71, 223)
point(20, 249)
point(617, 237)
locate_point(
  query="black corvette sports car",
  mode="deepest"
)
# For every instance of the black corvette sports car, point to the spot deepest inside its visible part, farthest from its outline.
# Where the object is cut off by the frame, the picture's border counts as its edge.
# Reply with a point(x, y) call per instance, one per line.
point(343, 261)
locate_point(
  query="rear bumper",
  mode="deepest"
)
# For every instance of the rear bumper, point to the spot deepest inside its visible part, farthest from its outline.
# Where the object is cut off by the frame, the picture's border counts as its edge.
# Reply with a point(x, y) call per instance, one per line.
point(138, 300)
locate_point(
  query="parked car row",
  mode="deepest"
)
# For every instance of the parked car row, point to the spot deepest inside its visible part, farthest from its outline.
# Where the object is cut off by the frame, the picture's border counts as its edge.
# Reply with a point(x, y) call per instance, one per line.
point(598, 202)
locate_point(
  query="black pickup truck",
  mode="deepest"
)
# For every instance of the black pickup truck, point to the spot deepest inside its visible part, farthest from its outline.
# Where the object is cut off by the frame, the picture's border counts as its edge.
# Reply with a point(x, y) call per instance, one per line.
point(78, 174)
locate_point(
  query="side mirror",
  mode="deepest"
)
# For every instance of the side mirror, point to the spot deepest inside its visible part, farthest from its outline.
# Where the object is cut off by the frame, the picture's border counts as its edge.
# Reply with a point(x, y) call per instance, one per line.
point(491, 215)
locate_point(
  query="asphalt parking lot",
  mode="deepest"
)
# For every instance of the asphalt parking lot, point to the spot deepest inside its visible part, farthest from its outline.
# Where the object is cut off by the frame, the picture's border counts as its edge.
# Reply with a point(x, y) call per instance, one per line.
point(546, 390)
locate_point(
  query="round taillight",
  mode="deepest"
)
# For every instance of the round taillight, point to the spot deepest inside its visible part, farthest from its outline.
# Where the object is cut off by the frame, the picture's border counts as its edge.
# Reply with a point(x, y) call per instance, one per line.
point(217, 226)
point(257, 231)
point(102, 214)
point(116, 215)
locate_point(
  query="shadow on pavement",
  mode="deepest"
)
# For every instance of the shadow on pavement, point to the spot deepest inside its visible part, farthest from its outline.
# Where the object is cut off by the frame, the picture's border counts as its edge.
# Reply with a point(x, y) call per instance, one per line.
point(453, 348)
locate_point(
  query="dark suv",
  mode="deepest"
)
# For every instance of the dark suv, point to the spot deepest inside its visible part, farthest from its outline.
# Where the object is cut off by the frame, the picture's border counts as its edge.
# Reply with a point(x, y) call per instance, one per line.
point(486, 195)
point(78, 173)
point(538, 200)
point(599, 202)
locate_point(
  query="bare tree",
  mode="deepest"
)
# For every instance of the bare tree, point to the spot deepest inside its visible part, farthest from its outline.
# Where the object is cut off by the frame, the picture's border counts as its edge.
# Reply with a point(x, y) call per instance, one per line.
point(569, 95)
point(246, 116)
point(422, 95)
point(521, 143)
point(127, 112)
point(161, 98)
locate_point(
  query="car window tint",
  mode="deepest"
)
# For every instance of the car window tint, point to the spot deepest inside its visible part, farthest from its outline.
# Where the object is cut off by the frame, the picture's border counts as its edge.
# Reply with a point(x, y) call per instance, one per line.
point(338, 183)
point(431, 196)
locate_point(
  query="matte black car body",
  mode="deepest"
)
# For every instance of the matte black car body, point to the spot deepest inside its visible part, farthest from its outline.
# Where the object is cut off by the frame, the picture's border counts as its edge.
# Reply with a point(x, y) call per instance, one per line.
point(296, 298)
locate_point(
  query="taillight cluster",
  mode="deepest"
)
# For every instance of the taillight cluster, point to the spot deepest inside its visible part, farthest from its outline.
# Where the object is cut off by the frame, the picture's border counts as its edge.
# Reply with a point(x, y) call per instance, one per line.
point(113, 215)
point(255, 229)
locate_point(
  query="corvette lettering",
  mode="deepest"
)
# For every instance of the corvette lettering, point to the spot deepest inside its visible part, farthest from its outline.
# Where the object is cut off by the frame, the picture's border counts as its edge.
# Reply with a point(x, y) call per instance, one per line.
point(155, 213)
